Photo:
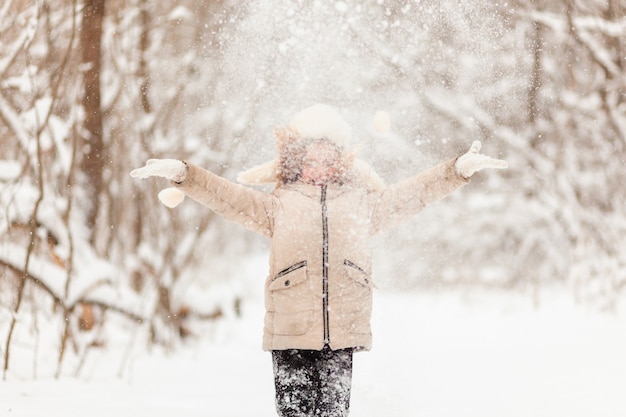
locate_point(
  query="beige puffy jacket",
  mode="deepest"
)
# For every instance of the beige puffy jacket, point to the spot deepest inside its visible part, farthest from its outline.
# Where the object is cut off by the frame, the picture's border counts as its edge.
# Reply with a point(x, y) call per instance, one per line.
point(319, 287)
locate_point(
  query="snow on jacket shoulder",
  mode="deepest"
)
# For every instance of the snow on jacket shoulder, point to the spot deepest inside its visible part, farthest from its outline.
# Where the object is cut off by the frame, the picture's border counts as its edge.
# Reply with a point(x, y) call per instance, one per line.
point(319, 287)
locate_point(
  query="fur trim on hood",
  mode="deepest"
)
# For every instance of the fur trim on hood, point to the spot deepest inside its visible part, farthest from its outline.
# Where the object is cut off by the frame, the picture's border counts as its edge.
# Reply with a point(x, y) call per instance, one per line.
point(261, 174)
point(319, 121)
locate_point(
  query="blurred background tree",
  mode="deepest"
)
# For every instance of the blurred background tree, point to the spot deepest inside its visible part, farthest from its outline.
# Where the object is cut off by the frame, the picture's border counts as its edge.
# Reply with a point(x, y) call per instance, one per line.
point(91, 89)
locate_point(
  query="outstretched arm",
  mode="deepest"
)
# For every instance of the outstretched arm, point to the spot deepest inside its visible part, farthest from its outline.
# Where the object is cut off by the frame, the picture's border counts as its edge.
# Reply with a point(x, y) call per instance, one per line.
point(404, 199)
point(247, 207)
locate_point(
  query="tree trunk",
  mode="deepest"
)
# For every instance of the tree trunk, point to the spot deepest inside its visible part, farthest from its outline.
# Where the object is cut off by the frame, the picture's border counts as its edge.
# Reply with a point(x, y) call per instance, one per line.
point(535, 84)
point(93, 150)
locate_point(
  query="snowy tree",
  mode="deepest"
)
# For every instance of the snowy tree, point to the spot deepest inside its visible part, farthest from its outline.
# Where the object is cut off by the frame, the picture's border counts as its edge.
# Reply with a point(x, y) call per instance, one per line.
point(556, 215)
point(77, 241)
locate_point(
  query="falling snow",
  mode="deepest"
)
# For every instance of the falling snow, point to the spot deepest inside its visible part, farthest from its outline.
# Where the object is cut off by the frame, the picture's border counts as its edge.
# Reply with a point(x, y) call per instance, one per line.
point(504, 299)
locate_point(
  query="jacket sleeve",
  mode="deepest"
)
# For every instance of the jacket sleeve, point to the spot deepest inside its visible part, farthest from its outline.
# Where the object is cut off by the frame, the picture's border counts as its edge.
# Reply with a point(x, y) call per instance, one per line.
point(402, 200)
point(237, 203)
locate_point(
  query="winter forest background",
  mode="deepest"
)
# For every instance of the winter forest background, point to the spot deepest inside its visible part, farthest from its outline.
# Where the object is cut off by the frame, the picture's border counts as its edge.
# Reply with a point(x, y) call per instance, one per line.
point(91, 89)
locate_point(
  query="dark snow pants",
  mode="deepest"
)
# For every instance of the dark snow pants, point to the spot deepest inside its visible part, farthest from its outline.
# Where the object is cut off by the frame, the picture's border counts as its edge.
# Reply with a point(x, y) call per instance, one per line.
point(312, 383)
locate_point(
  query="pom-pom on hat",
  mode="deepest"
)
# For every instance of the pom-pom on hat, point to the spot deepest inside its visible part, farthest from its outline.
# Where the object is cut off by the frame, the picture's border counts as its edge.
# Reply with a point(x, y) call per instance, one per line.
point(171, 197)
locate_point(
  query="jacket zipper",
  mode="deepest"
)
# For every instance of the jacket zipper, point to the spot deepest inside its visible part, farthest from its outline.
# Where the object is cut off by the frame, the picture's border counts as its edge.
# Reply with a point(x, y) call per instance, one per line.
point(325, 267)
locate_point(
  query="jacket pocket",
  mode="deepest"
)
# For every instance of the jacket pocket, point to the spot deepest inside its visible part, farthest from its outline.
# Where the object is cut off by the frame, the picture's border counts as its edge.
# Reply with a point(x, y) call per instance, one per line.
point(293, 301)
point(357, 274)
point(295, 323)
point(355, 299)
point(289, 277)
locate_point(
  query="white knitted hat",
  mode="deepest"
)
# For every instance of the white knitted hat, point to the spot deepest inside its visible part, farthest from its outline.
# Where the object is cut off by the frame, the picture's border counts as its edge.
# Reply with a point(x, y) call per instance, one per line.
point(322, 121)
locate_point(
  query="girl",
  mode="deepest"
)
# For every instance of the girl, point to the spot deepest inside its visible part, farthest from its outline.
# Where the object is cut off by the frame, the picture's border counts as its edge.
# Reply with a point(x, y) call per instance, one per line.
point(319, 219)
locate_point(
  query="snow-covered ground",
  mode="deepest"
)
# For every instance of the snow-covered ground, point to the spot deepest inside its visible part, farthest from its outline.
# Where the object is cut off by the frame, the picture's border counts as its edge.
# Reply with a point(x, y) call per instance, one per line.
point(479, 355)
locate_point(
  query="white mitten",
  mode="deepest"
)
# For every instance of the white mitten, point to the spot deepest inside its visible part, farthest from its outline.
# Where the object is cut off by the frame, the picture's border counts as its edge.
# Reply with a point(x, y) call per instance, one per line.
point(473, 161)
point(171, 169)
